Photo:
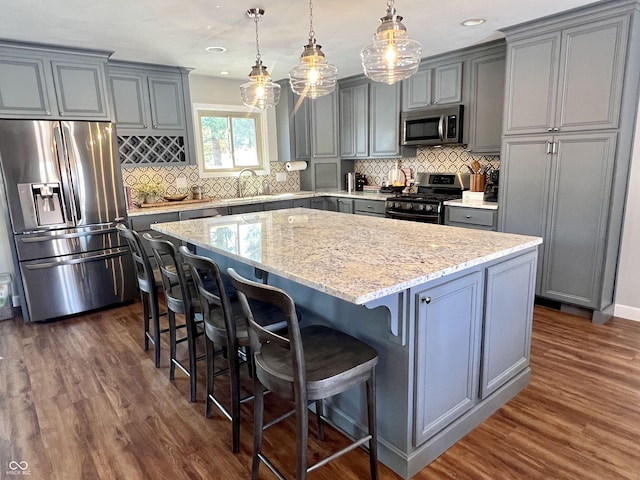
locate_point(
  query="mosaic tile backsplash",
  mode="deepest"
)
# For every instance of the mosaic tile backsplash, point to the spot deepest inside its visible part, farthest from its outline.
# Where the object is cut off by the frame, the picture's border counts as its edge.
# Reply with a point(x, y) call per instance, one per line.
point(447, 159)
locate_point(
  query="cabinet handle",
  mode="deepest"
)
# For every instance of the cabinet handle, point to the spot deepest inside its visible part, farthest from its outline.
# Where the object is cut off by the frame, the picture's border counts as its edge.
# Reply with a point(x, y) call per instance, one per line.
point(555, 129)
point(155, 126)
point(467, 216)
point(61, 113)
point(145, 125)
point(554, 148)
point(426, 300)
point(435, 103)
point(550, 129)
point(48, 113)
point(548, 148)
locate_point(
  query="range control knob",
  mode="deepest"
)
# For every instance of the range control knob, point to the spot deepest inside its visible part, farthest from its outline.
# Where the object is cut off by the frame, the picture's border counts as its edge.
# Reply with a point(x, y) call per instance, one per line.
point(409, 206)
point(428, 208)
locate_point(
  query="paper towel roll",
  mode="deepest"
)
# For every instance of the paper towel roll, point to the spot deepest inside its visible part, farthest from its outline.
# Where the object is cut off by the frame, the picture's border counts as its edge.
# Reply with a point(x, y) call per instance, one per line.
point(295, 166)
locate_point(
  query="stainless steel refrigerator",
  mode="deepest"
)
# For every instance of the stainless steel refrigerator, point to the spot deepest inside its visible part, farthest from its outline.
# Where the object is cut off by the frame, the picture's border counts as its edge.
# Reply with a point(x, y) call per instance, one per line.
point(64, 196)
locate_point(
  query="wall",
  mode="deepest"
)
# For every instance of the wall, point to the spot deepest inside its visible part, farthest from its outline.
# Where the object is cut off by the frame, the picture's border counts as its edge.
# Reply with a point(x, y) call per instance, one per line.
point(216, 91)
point(628, 282)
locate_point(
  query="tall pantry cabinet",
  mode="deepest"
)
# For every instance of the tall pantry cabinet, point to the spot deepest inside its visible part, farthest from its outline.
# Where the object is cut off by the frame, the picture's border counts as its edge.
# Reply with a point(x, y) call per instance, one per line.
point(570, 106)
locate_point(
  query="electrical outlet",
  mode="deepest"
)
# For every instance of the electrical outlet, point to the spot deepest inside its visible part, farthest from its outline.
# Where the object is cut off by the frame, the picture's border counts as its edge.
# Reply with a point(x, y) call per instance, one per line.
point(281, 177)
point(181, 182)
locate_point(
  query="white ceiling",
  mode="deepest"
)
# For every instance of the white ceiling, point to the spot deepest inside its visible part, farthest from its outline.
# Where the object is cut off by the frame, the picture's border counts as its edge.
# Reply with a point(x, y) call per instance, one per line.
point(175, 32)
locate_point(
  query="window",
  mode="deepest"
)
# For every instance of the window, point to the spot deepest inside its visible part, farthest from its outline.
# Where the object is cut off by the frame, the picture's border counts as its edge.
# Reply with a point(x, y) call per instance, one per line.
point(229, 138)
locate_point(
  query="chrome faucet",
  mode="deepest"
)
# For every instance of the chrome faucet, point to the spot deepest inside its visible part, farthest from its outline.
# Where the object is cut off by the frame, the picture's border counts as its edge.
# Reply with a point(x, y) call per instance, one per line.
point(240, 193)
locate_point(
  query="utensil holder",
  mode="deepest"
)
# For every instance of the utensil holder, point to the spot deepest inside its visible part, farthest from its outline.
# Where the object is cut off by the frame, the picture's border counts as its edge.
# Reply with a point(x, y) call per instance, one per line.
point(477, 182)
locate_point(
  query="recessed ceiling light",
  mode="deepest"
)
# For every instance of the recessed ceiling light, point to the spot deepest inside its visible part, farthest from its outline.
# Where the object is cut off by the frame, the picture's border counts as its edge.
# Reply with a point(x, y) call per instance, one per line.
point(473, 22)
point(224, 72)
point(216, 49)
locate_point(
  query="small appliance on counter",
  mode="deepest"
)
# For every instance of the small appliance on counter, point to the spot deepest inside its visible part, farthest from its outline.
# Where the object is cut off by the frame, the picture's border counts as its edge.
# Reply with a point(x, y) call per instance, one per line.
point(491, 189)
point(361, 181)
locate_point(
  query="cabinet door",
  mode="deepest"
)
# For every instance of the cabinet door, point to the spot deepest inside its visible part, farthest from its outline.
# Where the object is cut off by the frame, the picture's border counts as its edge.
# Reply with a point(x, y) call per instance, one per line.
point(81, 89)
point(354, 121)
point(506, 337)
point(590, 97)
point(448, 83)
point(345, 205)
point(384, 120)
point(416, 90)
point(167, 103)
point(525, 175)
point(532, 67)
point(448, 353)
point(301, 123)
point(324, 126)
point(578, 214)
point(23, 91)
point(486, 104)
point(130, 100)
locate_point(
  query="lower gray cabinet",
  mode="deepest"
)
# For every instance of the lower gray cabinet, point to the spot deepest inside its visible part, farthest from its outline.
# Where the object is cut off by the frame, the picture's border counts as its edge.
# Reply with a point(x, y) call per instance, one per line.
point(506, 343)
point(470, 217)
point(447, 366)
point(374, 208)
point(338, 204)
point(249, 208)
point(142, 224)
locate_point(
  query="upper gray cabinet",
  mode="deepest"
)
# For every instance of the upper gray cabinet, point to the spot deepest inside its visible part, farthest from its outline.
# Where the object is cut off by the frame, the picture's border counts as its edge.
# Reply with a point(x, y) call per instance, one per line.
point(433, 84)
point(566, 80)
point(486, 100)
point(148, 100)
point(38, 81)
point(369, 119)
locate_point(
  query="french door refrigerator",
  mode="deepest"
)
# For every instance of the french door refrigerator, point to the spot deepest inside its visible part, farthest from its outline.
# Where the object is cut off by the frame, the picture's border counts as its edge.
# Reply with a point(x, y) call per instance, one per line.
point(64, 197)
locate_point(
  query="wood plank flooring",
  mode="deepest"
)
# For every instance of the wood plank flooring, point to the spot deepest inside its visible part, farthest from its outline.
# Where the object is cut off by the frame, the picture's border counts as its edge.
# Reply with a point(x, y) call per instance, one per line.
point(80, 399)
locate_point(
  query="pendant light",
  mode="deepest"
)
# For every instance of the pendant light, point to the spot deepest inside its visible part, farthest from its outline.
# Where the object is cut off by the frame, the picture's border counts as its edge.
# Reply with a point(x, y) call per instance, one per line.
point(259, 91)
point(313, 77)
point(392, 56)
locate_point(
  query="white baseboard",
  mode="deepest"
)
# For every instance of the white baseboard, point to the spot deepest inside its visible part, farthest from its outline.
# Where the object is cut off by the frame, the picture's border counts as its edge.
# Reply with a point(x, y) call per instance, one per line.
point(625, 311)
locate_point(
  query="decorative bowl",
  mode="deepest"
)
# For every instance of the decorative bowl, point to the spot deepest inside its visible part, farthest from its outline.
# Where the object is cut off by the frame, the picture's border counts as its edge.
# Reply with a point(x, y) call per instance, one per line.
point(175, 198)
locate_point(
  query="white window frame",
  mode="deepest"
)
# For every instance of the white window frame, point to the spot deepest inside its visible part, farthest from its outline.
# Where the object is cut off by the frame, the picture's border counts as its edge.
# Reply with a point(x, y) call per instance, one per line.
point(262, 140)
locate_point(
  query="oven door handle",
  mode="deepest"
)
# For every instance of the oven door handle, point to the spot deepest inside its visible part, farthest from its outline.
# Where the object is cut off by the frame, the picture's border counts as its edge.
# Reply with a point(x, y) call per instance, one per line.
point(411, 216)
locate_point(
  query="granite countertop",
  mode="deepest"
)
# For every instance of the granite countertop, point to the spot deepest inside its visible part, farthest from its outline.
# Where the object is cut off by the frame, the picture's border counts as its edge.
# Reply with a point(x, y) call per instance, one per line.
point(167, 207)
point(472, 204)
point(357, 259)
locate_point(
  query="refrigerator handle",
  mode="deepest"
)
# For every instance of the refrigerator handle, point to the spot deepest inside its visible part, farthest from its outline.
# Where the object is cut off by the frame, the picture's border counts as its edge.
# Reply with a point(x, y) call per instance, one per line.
point(61, 155)
point(72, 173)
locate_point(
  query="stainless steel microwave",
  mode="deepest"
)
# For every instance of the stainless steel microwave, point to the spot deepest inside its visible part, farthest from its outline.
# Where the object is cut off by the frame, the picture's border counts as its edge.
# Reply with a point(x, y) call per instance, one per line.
point(438, 126)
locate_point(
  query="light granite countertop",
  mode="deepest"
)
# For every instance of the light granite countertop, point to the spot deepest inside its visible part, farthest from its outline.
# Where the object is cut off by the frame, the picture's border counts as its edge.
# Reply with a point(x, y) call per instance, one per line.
point(352, 257)
point(168, 207)
point(472, 204)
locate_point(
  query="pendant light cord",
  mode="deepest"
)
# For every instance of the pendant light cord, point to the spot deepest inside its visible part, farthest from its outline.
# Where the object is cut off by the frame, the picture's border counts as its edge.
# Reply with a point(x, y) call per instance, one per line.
point(256, 19)
point(312, 34)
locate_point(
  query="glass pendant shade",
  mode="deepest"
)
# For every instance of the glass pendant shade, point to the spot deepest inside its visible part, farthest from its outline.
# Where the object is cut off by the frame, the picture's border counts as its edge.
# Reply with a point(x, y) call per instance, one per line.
point(392, 56)
point(313, 77)
point(259, 92)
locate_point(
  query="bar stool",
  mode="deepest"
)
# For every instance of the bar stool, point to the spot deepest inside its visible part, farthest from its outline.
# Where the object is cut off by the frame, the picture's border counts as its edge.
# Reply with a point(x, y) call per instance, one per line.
point(313, 363)
point(149, 282)
point(225, 325)
point(181, 299)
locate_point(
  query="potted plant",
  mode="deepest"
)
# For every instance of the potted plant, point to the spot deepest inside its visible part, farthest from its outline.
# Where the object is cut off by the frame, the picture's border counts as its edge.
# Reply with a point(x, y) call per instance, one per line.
point(149, 192)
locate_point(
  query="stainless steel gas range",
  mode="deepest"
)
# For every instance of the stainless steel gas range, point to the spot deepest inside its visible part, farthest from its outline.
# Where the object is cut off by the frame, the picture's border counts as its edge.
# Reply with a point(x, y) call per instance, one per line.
point(427, 205)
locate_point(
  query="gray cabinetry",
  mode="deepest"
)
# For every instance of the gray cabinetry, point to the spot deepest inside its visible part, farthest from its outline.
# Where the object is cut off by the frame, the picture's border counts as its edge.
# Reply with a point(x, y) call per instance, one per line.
point(38, 81)
point(248, 208)
point(433, 84)
point(338, 204)
point(560, 188)
point(374, 208)
point(142, 224)
point(370, 119)
point(147, 100)
point(506, 344)
point(354, 121)
point(486, 102)
point(447, 369)
point(470, 217)
point(552, 84)
point(308, 130)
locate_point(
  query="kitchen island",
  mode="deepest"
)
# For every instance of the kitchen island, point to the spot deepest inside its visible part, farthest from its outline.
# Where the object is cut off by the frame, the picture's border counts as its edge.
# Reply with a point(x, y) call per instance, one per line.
point(448, 309)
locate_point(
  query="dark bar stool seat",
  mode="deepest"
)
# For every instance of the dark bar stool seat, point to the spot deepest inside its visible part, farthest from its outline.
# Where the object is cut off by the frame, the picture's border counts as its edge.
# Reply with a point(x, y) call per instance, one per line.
point(226, 325)
point(313, 363)
point(182, 299)
point(149, 283)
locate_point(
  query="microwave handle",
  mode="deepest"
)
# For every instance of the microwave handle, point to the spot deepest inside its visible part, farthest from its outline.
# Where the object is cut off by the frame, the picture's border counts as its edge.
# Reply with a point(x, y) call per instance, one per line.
point(441, 127)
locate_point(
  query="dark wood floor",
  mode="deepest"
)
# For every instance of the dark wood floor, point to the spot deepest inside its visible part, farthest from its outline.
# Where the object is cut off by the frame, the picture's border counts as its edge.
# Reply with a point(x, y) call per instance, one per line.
point(80, 399)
